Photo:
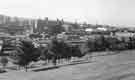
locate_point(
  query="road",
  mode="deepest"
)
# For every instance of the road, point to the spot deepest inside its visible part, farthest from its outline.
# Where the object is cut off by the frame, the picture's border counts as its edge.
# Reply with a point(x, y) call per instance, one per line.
point(112, 67)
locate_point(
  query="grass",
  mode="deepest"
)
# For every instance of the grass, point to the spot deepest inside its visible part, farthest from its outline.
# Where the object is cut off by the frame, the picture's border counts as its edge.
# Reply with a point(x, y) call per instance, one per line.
point(83, 61)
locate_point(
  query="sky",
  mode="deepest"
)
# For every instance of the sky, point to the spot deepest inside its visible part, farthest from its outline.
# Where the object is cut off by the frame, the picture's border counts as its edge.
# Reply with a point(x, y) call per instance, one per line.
point(111, 12)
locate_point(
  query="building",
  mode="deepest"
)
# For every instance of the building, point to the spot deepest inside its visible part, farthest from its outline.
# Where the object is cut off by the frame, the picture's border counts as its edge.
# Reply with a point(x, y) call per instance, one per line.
point(46, 24)
point(15, 29)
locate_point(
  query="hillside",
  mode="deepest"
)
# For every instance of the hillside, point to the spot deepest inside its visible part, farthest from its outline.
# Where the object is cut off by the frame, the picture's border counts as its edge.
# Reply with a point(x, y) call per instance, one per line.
point(111, 67)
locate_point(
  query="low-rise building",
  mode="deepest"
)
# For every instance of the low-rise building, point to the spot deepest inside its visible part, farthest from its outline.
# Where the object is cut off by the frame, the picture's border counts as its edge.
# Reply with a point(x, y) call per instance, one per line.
point(15, 29)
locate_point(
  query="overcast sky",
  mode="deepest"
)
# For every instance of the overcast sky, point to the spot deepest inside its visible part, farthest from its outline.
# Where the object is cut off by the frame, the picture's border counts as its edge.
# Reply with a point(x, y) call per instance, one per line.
point(101, 11)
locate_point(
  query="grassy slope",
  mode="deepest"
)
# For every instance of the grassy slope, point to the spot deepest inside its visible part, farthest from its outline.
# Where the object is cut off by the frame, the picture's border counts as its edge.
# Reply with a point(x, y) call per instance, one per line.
point(113, 67)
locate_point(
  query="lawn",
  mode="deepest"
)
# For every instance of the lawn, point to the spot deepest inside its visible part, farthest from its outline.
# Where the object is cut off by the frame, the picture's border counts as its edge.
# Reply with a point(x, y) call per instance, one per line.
point(112, 67)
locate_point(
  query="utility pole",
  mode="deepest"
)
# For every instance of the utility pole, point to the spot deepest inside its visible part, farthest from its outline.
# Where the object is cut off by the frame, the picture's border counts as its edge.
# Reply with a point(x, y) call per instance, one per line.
point(96, 22)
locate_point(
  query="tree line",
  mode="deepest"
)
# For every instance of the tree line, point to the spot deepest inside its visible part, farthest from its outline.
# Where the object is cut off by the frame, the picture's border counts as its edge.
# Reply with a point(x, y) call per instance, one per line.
point(24, 51)
point(111, 43)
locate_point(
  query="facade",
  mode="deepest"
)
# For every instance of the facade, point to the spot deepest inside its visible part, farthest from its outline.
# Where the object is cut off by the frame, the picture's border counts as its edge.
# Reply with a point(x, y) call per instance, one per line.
point(124, 34)
point(46, 24)
point(15, 30)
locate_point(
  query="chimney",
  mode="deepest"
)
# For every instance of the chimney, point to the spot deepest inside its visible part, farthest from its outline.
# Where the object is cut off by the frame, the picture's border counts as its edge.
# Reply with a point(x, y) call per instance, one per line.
point(62, 21)
point(76, 21)
point(58, 21)
point(46, 20)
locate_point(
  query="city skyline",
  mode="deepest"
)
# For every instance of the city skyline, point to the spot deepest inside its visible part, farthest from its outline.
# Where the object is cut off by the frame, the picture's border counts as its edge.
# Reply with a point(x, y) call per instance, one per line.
point(111, 12)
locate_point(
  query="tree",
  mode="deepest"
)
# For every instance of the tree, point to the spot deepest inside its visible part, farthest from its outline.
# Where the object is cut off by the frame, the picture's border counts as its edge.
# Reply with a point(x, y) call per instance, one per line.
point(46, 54)
point(4, 61)
point(26, 53)
point(59, 49)
point(55, 51)
point(76, 52)
point(97, 44)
